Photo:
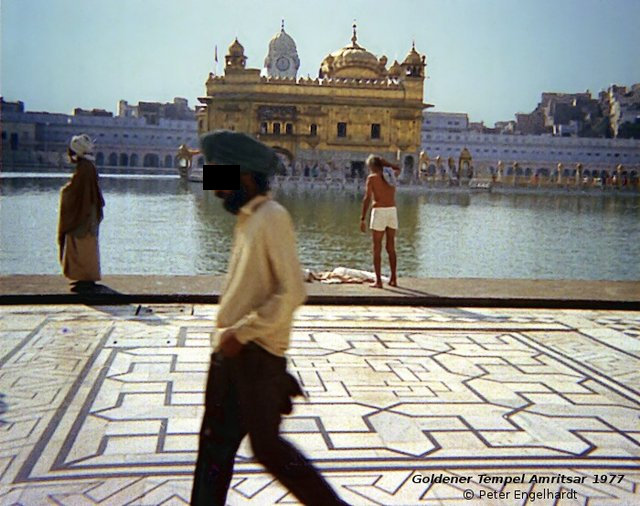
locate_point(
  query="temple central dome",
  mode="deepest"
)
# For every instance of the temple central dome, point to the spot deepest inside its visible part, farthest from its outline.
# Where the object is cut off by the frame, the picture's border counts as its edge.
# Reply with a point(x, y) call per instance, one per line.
point(354, 62)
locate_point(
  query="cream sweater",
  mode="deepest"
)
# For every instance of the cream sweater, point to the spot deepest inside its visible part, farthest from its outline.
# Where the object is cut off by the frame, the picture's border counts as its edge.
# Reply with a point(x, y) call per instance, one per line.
point(264, 285)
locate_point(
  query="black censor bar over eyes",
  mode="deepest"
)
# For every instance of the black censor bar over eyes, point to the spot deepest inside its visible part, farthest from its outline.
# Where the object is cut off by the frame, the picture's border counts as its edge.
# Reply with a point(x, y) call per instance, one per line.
point(221, 177)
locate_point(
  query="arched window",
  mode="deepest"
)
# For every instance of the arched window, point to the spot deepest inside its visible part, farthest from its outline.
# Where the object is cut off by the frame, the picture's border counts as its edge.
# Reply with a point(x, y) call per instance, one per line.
point(113, 159)
point(288, 129)
point(99, 158)
point(408, 163)
point(276, 129)
point(263, 127)
point(133, 161)
point(151, 160)
point(313, 130)
point(168, 161)
point(124, 160)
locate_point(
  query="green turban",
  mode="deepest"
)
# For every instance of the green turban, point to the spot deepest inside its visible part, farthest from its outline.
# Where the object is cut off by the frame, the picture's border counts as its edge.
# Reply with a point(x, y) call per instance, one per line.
point(235, 148)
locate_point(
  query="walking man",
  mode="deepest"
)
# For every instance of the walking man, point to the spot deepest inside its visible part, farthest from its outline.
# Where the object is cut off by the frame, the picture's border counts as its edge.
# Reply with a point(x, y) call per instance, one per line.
point(381, 189)
point(81, 206)
point(248, 387)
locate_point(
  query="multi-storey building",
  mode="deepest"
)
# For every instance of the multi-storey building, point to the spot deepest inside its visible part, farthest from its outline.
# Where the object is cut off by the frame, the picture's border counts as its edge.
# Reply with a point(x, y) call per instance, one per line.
point(152, 112)
point(446, 135)
point(40, 139)
point(624, 109)
point(566, 114)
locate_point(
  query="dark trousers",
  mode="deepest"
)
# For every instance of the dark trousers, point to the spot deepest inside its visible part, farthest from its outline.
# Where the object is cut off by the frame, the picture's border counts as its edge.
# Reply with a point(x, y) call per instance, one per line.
point(246, 394)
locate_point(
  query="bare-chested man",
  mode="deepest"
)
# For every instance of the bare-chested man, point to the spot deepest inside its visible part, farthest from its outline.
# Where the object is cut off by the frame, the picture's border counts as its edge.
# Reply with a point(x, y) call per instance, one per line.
point(384, 217)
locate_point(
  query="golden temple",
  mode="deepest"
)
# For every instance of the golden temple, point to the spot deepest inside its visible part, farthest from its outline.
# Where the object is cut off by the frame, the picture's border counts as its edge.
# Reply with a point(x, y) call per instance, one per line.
point(356, 105)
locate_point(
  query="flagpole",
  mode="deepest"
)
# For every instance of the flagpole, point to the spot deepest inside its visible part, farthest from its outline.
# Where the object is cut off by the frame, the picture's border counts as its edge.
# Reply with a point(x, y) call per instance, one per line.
point(216, 60)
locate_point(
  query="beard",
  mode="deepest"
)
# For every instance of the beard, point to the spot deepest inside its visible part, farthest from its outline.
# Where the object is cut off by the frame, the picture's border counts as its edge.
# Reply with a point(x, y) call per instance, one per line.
point(234, 201)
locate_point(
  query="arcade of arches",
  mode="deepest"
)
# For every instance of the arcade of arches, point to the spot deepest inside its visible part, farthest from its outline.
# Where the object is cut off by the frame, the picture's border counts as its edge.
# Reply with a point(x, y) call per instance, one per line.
point(148, 160)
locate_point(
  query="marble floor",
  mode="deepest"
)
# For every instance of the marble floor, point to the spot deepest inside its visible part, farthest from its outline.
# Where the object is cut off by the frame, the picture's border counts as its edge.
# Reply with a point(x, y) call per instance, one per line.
point(101, 405)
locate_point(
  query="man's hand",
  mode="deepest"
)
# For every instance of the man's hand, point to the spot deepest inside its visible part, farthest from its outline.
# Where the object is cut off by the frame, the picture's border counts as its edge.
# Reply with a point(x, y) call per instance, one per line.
point(229, 344)
point(363, 226)
point(394, 166)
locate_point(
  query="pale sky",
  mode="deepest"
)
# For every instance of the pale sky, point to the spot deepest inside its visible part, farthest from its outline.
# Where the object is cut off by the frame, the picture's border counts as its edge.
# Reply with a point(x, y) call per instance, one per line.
point(489, 58)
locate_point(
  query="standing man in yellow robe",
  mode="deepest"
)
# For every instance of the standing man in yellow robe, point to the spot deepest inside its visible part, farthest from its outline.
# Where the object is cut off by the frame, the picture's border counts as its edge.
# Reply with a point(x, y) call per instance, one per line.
point(81, 206)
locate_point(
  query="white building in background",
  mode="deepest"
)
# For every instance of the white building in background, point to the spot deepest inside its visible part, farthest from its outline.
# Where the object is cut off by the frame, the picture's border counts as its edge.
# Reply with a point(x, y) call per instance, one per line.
point(155, 111)
point(624, 106)
point(282, 59)
point(144, 137)
point(447, 134)
point(444, 121)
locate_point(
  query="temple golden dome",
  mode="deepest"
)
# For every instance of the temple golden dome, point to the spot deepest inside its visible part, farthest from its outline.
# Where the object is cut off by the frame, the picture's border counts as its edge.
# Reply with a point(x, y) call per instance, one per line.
point(414, 64)
point(353, 61)
point(413, 57)
point(236, 49)
point(235, 59)
point(395, 69)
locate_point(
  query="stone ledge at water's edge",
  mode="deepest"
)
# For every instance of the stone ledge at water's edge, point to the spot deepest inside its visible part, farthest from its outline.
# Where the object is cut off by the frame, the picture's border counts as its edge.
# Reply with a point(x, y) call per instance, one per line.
point(469, 292)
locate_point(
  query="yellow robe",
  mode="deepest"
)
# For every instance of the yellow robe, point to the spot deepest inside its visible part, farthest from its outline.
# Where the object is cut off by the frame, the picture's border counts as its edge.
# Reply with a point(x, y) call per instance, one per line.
point(81, 206)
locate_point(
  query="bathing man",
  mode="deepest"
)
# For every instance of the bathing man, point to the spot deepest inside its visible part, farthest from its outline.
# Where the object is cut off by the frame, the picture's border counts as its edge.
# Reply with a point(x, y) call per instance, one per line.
point(381, 189)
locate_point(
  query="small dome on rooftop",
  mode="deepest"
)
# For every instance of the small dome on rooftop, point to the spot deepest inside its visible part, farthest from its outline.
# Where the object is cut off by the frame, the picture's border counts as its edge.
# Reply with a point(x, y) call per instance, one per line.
point(236, 49)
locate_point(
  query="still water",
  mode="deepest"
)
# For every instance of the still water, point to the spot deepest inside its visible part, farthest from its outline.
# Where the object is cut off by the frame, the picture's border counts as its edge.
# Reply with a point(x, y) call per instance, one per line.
point(166, 226)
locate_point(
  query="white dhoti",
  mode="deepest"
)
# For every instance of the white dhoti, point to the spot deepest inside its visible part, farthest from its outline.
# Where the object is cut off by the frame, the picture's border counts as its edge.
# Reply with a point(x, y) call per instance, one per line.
point(383, 218)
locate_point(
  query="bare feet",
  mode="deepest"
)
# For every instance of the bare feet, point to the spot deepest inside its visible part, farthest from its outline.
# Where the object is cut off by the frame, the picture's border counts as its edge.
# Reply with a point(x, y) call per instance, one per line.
point(377, 284)
point(393, 282)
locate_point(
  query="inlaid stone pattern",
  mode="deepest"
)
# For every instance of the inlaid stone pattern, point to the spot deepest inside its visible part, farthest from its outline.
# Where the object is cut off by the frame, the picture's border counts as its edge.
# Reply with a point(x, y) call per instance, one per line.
point(102, 405)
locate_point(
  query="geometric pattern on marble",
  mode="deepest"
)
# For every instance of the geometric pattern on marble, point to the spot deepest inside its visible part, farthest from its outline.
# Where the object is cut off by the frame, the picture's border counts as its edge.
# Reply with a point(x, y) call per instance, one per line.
point(104, 404)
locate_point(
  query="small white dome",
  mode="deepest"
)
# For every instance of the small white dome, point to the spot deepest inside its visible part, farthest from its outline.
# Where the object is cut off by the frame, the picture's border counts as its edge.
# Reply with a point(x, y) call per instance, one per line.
point(282, 42)
point(282, 59)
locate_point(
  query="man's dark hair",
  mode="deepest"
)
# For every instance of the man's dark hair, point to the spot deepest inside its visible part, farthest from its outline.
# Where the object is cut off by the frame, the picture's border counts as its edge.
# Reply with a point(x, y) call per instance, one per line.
point(262, 182)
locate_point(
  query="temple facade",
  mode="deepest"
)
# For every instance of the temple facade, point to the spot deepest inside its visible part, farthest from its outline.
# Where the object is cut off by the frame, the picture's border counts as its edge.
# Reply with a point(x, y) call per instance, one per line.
point(356, 106)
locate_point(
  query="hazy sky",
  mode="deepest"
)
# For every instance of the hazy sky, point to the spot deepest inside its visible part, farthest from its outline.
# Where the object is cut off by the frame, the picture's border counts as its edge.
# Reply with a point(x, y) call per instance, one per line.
point(490, 58)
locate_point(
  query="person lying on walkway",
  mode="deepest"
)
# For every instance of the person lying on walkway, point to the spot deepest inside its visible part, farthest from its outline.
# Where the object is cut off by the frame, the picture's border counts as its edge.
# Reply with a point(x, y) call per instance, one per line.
point(248, 387)
point(381, 189)
point(81, 206)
